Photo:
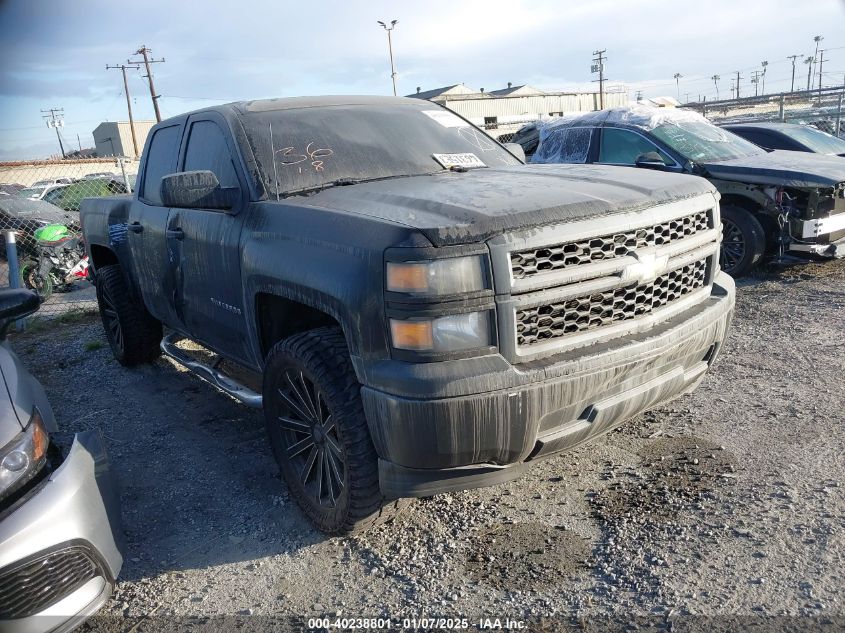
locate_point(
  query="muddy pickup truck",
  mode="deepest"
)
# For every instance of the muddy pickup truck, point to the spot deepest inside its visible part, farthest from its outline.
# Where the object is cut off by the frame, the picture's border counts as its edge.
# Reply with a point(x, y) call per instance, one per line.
point(424, 312)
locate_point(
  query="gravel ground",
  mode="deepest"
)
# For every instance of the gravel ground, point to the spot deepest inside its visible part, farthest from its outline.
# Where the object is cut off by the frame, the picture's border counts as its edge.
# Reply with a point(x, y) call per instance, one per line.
point(729, 502)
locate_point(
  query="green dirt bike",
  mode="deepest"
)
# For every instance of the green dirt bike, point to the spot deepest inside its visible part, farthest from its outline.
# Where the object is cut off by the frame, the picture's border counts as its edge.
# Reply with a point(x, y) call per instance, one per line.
point(61, 261)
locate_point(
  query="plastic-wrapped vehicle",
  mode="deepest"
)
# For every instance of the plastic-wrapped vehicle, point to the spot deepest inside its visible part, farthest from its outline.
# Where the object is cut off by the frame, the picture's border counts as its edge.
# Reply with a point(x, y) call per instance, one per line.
point(60, 529)
point(772, 202)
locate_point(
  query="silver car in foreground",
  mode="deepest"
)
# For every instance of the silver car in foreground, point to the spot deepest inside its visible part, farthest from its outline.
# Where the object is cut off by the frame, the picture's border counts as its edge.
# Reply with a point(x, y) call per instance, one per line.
point(60, 531)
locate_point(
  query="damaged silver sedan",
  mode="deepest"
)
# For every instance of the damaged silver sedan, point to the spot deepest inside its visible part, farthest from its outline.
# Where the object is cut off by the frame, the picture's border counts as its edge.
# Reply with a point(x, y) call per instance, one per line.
point(60, 531)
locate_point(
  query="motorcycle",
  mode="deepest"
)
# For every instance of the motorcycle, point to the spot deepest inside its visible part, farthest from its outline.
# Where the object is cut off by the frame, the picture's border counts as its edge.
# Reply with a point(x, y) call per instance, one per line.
point(61, 261)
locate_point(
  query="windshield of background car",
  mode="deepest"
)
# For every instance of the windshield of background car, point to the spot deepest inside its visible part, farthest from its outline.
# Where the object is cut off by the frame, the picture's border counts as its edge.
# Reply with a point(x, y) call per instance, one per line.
point(317, 146)
point(31, 192)
point(702, 142)
point(816, 140)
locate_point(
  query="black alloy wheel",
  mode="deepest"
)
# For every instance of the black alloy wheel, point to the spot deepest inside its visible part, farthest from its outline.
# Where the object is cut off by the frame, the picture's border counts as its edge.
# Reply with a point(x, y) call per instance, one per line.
point(311, 440)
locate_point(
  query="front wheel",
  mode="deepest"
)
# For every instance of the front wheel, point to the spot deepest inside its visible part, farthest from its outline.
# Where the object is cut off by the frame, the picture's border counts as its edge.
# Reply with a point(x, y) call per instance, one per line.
point(33, 280)
point(319, 435)
point(743, 241)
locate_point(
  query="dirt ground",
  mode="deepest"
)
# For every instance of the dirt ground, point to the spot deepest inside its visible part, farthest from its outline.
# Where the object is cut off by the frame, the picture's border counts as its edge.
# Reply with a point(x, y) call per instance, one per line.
point(727, 503)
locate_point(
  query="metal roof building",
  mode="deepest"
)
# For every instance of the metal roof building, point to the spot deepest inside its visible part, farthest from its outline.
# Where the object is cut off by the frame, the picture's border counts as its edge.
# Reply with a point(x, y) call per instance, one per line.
point(114, 138)
point(505, 110)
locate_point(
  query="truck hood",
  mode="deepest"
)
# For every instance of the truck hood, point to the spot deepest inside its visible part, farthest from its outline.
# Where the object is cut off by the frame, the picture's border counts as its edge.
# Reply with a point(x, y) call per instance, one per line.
point(455, 208)
point(782, 168)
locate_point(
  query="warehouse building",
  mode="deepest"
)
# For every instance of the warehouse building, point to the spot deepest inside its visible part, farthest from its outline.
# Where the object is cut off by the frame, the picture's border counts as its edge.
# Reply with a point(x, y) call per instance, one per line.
point(114, 138)
point(502, 112)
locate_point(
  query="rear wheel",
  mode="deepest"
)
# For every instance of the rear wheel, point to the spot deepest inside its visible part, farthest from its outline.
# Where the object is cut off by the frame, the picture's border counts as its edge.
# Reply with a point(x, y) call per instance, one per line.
point(743, 241)
point(133, 334)
point(319, 435)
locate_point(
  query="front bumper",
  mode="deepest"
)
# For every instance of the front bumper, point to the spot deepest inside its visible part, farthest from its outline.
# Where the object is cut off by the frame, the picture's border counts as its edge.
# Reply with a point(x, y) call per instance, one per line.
point(60, 549)
point(433, 445)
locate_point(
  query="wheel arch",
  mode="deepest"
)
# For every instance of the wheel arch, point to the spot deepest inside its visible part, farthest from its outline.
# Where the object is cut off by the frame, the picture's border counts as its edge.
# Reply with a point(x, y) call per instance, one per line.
point(278, 317)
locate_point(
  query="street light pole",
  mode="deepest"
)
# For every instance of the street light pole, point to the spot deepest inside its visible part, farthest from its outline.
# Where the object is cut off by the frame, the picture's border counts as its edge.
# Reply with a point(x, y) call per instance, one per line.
point(392, 26)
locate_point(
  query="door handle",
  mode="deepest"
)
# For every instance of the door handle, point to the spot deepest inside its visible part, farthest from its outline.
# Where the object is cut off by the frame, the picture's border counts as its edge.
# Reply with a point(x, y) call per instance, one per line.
point(136, 227)
point(174, 234)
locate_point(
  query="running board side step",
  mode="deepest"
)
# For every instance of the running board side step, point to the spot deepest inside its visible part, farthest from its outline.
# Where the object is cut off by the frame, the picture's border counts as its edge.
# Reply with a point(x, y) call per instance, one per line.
point(210, 374)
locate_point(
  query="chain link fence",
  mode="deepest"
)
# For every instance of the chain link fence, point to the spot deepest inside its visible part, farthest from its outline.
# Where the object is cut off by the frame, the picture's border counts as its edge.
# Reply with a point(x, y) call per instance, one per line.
point(39, 211)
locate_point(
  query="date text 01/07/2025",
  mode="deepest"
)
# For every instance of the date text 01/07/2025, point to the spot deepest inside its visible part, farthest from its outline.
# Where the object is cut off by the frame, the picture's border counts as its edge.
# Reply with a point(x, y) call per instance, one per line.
point(483, 624)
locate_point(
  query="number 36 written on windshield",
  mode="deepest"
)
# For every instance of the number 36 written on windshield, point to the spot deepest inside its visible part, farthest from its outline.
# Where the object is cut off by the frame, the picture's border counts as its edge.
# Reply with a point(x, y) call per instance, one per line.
point(289, 156)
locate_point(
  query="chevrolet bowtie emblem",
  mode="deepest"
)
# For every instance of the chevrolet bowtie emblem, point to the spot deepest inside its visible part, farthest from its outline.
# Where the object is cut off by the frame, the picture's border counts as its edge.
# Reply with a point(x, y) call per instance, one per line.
point(647, 268)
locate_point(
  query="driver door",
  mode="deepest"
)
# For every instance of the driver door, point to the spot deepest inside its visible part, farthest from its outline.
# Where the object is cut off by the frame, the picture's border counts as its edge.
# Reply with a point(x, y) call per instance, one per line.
point(207, 266)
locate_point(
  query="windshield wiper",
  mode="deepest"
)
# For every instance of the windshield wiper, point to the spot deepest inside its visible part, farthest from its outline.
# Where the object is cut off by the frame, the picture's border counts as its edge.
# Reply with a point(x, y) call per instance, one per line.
point(340, 182)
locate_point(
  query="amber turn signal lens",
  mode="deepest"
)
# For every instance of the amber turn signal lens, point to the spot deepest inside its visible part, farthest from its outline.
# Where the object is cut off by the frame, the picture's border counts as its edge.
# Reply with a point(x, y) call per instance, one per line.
point(40, 441)
point(413, 335)
point(407, 277)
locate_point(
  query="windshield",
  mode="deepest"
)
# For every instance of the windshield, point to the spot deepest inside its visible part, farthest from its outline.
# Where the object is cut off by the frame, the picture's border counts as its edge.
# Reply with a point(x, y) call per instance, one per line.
point(702, 142)
point(340, 144)
point(31, 192)
point(818, 141)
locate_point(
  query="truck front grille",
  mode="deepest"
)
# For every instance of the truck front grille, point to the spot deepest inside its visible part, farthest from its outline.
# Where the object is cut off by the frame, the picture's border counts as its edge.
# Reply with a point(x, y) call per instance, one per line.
point(29, 588)
point(580, 314)
point(568, 254)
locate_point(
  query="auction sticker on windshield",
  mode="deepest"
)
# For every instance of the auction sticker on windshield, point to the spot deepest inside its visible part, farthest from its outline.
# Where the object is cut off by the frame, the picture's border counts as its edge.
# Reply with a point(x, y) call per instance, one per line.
point(468, 160)
point(446, 119)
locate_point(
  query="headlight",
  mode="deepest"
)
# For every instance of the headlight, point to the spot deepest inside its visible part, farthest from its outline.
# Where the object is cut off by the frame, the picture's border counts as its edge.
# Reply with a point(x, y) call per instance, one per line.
point(452, 333)
point(437, 277)
point(23, 457)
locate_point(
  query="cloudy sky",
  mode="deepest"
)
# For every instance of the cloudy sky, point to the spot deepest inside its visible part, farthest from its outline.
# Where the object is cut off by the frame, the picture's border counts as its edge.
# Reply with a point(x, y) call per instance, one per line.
point(54, 53)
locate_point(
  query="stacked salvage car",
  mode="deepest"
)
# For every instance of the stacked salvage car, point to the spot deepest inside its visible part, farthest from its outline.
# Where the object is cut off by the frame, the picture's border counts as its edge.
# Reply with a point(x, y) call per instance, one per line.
point(776, 202)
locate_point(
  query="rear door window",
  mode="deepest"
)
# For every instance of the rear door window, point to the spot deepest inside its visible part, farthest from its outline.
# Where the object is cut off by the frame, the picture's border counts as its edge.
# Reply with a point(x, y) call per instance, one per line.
point(161, 161)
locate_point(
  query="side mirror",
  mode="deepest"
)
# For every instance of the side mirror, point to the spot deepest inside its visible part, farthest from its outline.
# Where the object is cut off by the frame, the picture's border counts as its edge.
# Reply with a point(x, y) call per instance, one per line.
point(650, 160)
point(16, 303)
point(516, 149)
point(197, 190)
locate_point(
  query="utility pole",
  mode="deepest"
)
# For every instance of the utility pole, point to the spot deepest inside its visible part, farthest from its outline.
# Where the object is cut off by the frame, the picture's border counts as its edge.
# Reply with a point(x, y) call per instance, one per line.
point(144, 51)
point(639, 95)
point(123, 68)
point(733, 88)
point(716, 79)
point(793, 58)
point(764, 64)
point(55, 118)
point(598, 67)
point(817, 39)
point(809, 61)
point(755, 80)
point(737, 84)
point(821, 65)
point(392, 26)
point(677, 77)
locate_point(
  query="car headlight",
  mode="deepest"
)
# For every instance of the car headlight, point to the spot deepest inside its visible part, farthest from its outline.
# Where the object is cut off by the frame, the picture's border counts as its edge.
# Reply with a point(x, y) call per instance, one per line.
point(437, 277)
point(22, 458)
point(452, 333)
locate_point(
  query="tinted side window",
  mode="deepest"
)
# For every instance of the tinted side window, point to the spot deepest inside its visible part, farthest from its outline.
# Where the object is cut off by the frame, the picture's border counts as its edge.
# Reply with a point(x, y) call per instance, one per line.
point(759, 138)
point(207, 150)
point(623, 146)
point(161, 160)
